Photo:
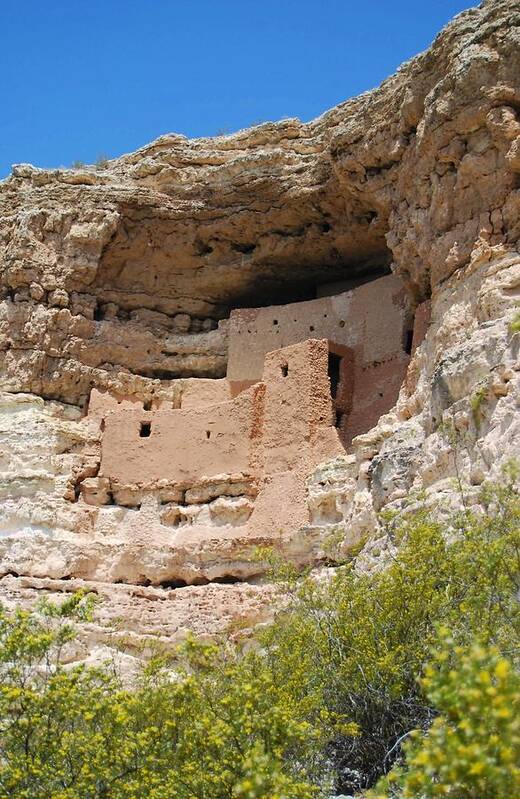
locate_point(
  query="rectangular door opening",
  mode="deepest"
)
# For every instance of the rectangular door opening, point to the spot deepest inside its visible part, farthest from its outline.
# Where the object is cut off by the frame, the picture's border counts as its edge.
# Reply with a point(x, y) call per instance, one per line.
point(334, 372)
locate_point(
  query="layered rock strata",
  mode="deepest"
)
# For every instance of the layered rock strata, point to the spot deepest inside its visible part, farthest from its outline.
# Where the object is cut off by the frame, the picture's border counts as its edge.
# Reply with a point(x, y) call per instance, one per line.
point(121, 280)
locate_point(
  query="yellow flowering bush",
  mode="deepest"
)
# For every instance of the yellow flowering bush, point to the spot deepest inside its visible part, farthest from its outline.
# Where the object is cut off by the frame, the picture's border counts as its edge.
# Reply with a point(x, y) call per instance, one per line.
point(352, 649)
point(472, 749)
point(217, 729)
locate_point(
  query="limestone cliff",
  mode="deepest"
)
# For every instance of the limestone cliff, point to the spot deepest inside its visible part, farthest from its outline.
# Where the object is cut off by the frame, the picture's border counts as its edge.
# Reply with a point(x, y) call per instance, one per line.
point(122, 279)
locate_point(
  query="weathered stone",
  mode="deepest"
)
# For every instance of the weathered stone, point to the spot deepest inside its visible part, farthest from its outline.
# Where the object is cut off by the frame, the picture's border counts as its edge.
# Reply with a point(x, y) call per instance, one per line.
point(58, 298)
point(96, 490)
point(112, 282)
point(231, 510)
point(181, 322)
point(36, 291)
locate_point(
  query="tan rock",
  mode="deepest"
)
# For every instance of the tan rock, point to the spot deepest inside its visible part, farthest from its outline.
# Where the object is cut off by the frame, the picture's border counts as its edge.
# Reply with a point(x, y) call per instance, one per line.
point(181, 322)
point(168, 289)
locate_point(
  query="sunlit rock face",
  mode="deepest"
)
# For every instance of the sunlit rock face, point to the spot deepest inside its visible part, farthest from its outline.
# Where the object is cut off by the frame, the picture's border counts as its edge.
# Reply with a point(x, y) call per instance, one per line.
point(126, 282)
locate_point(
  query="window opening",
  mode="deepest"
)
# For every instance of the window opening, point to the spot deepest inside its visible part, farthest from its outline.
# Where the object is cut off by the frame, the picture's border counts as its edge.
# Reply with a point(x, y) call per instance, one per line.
point(145, 430)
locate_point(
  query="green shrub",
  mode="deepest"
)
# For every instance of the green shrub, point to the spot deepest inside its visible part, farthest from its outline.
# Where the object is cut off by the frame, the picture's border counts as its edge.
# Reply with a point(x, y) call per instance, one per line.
point(217, 730)
point(352, 650)
point(476, 402)
point(514, 326)
point(472, 749)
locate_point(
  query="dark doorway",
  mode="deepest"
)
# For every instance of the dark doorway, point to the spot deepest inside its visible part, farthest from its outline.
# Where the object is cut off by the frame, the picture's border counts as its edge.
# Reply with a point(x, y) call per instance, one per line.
point(334, 373)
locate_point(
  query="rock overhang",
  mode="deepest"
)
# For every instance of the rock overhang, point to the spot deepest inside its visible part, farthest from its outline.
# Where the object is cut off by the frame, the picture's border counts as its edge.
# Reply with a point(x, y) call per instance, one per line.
point(122, 278)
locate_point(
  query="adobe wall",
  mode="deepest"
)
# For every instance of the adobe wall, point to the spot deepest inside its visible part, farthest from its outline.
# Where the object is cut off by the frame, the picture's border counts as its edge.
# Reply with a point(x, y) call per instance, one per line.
point(236, 453)
point(368, 327)
point(253, 332)
point(299, 414)
point(370, 319)
point(198, 392)
point(234, 463)
point(183, 445)
point(380, 354)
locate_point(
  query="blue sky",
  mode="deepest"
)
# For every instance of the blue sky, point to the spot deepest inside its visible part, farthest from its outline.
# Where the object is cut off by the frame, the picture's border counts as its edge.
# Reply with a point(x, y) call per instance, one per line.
point(83, 78)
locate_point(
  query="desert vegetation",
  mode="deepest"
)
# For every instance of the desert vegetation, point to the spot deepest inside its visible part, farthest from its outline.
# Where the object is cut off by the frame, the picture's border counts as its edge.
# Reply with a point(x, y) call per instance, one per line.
point(397, 682)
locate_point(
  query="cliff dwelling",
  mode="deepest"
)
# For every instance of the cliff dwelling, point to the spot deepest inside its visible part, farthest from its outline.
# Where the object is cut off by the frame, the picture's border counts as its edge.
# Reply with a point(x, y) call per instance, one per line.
point(231, 456)
point(265, 376)
point(213, 371)
point(210, 346)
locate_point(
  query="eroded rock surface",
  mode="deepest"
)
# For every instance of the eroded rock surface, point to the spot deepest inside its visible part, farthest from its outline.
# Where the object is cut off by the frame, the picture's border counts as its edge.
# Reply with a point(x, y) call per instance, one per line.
point(122, 279)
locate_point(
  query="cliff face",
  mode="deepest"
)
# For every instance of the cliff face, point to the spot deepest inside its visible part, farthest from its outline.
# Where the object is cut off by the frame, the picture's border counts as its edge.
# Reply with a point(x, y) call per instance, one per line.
point(122, 279)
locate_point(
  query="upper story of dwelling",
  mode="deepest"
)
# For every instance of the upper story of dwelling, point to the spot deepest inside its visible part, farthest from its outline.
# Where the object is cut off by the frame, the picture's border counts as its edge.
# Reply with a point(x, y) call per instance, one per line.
point(374, 321)
point(370, 333)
